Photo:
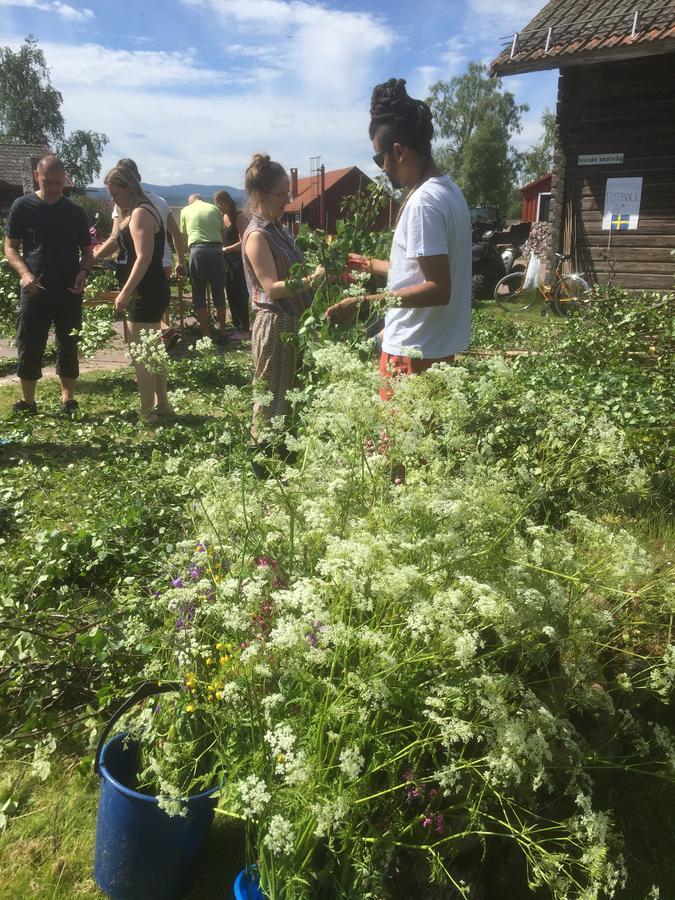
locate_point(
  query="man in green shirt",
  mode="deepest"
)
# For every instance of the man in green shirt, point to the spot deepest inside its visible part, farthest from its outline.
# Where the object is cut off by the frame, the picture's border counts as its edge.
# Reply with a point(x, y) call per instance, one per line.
point(202, 226)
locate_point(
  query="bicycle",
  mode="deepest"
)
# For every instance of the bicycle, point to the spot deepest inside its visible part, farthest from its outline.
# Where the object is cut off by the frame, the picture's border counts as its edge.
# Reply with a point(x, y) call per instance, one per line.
point(567, 293)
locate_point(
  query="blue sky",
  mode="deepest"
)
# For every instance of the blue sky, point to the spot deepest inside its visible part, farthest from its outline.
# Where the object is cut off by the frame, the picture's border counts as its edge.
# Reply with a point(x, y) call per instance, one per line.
point(190, 88)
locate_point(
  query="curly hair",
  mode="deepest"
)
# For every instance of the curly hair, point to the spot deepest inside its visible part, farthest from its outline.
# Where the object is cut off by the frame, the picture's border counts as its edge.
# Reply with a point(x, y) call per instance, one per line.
point(396, 117)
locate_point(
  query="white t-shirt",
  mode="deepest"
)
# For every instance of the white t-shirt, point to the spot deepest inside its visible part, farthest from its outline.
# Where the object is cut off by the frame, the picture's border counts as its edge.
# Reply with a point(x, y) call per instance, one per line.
point(164, 210)
point(434, 222)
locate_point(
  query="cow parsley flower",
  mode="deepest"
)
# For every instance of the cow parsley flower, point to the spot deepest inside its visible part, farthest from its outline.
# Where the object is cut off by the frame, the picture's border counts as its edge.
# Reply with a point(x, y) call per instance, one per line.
point(280, 837)
point(351, 763)
point(254, 796)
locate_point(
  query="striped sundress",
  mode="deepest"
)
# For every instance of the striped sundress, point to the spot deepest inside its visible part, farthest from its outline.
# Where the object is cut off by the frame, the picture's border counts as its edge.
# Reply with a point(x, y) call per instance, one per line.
point(275, 360)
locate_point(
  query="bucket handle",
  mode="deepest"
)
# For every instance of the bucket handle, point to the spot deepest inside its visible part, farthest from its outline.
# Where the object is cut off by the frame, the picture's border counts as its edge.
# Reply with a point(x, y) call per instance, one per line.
point(143, 691)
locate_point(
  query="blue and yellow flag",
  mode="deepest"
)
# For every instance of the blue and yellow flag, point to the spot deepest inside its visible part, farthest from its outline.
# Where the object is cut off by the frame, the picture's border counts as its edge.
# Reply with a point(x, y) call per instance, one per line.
point(620, 223)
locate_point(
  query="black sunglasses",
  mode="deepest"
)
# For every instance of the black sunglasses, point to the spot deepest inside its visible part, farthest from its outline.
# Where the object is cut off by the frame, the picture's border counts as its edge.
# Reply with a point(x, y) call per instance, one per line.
point(378, 159)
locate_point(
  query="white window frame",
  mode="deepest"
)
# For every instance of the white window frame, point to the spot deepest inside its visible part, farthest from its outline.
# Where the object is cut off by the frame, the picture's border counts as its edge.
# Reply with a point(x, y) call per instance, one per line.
point(539, 196)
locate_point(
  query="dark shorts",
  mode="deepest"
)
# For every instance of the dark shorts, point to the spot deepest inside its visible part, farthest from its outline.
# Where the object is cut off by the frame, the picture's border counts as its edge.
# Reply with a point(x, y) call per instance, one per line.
point(207, 267)
point(37, 314)
point(150, 308)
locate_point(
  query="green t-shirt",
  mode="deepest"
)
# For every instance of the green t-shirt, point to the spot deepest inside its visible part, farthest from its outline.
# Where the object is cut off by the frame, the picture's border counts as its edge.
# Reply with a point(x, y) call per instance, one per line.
point(202, 223)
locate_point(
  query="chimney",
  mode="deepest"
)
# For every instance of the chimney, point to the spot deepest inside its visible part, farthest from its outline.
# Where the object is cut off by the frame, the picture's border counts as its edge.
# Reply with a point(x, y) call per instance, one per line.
point(294, 183)
point(322, 201)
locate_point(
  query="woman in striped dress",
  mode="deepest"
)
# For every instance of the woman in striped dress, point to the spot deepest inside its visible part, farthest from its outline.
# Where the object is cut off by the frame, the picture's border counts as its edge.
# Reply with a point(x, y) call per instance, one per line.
point(269, 250)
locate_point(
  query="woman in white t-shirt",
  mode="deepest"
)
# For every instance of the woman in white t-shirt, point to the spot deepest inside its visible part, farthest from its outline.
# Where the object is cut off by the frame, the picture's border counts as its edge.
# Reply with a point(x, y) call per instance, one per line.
point(429, 268)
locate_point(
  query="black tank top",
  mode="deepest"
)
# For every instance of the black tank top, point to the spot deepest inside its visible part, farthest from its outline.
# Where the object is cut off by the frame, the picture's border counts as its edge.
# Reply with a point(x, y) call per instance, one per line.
point(231, 236)
point(154, 284)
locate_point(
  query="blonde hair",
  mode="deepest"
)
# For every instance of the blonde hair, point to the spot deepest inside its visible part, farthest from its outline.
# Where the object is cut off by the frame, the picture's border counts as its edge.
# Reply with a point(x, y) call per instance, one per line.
point(123, 177)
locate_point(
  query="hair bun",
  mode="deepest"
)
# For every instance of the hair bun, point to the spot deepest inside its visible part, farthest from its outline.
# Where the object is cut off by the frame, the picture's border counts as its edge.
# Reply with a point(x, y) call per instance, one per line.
point(262, 173)
point(260, 162)
point(390, 104)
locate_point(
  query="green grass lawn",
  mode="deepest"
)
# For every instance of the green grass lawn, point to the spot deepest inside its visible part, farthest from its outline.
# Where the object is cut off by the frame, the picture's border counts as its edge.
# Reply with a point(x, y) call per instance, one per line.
point(88, 505)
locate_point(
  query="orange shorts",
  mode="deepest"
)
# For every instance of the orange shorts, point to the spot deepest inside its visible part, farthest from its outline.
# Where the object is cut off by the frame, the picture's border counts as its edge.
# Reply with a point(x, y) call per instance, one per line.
point(404, 365)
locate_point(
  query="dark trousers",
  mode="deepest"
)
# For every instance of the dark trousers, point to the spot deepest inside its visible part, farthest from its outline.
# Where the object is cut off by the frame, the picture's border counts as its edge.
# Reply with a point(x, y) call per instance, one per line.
point(237, 293)
point(207, 266)
point(37, 313)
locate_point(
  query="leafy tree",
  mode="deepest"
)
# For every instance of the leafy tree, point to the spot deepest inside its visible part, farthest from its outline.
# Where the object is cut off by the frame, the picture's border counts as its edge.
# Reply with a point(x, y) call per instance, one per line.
point(30, 111)
point(81, 153)
point(538, 160)
point(30, 108)
point(477, 120)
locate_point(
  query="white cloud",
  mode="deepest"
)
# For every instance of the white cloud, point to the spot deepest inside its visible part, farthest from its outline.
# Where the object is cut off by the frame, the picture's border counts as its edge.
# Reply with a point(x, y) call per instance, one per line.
point(518, 12)
point(454, 56)
point(143, 125)
point(64, 10)
point(72, 64)
point(319, 49)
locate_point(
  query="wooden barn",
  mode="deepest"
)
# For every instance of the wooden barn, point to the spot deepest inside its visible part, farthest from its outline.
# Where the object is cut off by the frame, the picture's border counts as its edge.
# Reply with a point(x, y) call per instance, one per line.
point(613, 190)
point(536, 199)
point(17, 164)
point(317, 199)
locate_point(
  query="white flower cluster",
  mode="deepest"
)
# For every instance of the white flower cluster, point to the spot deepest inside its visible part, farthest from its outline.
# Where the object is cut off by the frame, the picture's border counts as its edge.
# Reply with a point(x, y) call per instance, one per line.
point(254, 796)
point(351, 763)
point(280, 837)
point(149, 351)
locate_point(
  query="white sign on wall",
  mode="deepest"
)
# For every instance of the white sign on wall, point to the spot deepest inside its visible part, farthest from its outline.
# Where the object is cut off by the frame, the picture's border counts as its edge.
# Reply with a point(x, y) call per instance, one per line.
point(622, 204)
point(600, 159)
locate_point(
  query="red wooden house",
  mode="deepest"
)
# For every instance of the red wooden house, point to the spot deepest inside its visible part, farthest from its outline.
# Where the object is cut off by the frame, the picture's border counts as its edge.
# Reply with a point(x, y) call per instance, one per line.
point(317, 199)
point(536, 199)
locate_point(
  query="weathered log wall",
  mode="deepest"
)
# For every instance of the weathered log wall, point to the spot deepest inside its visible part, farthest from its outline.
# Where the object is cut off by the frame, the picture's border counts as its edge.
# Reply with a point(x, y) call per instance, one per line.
point(619, 107)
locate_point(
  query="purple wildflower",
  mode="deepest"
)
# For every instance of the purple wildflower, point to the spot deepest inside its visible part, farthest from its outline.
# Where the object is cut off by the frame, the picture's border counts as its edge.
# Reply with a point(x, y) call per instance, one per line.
point(311, 637)
point(177, 582)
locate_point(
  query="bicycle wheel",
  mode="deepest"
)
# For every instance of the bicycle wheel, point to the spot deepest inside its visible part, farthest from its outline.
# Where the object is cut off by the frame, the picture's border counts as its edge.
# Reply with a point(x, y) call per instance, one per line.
point(571, 293)
point(511, 296)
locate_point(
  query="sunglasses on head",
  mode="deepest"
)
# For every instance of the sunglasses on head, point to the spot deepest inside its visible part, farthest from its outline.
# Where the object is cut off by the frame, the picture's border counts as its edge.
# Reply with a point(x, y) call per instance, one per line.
point(378, 159)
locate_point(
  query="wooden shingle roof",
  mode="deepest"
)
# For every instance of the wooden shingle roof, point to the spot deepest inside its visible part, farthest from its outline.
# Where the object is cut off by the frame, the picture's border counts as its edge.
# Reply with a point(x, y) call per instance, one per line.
point(11, 156)
point(568, 32)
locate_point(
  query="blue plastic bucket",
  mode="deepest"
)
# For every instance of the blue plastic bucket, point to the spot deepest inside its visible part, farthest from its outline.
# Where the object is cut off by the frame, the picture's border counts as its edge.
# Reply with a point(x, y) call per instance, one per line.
point(247, 887)
point(142, 853)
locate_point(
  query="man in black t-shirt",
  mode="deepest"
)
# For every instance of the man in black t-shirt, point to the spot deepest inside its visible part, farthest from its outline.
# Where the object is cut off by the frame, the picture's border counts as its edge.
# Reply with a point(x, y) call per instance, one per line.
point(53, 266)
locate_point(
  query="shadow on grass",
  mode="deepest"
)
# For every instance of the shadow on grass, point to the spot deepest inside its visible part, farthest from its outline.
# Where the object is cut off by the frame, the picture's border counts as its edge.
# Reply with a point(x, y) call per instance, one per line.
point(222, 860)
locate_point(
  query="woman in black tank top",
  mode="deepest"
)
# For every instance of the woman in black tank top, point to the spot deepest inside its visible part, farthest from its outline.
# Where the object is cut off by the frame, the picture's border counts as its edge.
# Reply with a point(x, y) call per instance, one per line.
point(235, 223)
point(151, 297)
point(144, 287)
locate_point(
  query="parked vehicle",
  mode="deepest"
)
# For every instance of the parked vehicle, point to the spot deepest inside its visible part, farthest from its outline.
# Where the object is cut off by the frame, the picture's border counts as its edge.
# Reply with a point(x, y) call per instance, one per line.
point(487, 266)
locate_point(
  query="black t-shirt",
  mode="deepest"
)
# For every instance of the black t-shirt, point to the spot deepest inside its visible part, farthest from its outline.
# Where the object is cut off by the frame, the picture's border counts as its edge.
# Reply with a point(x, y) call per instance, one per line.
point(52, 235)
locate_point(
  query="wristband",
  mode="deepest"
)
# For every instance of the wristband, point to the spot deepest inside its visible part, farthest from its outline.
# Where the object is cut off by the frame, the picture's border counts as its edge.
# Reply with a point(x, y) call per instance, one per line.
point(369, 260)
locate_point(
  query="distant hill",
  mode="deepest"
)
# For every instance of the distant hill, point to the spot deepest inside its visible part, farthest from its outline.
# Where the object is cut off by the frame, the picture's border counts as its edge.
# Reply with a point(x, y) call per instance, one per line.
point(177, 194)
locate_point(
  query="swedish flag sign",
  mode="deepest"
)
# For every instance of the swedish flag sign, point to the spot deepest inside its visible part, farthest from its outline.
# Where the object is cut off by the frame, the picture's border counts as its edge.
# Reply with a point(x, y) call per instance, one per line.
point(620, 223)
point(622, 204)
